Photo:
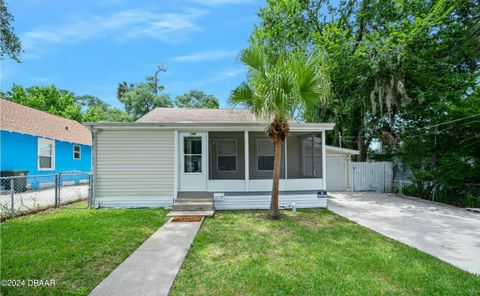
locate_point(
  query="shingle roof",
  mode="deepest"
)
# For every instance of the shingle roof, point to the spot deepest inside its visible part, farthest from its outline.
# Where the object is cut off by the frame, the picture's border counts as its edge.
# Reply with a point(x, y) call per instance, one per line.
point(19, 118)
point(186, 115)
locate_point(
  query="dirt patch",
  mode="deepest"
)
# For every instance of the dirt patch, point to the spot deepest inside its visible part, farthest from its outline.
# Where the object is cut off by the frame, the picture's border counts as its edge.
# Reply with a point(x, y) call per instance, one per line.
point(187, 219)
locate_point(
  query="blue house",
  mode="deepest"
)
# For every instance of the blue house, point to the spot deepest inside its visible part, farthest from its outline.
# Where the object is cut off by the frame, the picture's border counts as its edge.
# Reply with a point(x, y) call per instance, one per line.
point(42, 143)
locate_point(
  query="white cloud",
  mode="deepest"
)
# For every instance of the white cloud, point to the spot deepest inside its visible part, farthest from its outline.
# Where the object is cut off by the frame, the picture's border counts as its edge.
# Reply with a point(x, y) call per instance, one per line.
point(208, 55)
point(127, 24)
point(218, 78)
point(233, 73)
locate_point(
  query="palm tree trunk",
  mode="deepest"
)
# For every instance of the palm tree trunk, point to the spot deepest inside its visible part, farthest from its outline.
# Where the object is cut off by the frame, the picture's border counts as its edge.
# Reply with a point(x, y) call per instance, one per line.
point(274, 212)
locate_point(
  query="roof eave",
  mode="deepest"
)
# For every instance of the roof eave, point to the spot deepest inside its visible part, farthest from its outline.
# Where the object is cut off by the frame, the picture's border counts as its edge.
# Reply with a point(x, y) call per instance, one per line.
point(205, 125)
point(343, 150)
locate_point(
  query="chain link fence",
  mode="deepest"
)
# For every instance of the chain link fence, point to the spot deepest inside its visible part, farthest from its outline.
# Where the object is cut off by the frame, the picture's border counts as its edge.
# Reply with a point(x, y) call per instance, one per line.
point(23, 194)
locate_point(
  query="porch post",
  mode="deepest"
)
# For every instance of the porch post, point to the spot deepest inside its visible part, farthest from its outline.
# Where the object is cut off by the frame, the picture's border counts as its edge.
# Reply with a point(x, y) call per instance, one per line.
point(176, 166)
point(324, 162)
point(286, 159)
point(247, 161)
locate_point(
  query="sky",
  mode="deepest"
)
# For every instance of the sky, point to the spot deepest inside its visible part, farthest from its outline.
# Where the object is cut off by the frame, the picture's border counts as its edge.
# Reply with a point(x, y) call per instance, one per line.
point(89, 46)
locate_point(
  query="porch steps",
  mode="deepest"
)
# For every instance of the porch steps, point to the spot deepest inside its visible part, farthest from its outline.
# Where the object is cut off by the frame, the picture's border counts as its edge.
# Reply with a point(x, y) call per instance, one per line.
point(195, 195)
point(193, 204)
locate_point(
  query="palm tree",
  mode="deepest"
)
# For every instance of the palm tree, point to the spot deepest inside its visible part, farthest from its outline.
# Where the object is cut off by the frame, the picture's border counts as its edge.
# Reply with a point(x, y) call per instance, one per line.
point(122, 89)
point(281, 88)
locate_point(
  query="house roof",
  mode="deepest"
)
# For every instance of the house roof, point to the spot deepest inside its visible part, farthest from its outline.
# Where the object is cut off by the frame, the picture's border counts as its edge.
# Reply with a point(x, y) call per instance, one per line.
point(201, 119)
point(187, 115)
point(18, 118)
point(338, 150)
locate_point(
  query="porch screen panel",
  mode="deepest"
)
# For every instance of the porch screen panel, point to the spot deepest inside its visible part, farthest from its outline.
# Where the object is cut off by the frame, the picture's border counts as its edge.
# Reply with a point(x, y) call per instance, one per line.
point(226, 160)
point(312, 156)
point(227, 155)
point(261, 155)
point(265, 155)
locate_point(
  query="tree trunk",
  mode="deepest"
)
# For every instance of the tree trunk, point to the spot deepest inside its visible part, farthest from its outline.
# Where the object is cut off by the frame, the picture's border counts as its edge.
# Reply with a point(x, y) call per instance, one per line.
point(274, 212)
point(362, 150)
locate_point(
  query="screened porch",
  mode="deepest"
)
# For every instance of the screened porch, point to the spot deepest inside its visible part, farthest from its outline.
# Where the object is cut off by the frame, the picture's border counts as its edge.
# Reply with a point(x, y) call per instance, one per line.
point(243, 161)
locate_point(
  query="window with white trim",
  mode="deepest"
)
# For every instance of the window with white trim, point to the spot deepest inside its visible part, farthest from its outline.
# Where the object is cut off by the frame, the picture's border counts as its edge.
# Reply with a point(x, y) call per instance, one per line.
point(265, 155)
point(312, 156)
point(227, 155)
point(46, 154)
point(77, 152)
point(192, 153)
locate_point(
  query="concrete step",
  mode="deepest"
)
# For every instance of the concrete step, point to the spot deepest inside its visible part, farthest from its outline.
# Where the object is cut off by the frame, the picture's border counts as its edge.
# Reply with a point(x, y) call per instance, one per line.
point(187, 199)
point(195, 195)
point(191, 213)
point(198, 203)
point(192, 207)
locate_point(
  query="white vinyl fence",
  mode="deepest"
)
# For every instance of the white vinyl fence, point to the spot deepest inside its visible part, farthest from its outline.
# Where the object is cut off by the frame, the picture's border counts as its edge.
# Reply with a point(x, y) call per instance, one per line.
point(373, 176)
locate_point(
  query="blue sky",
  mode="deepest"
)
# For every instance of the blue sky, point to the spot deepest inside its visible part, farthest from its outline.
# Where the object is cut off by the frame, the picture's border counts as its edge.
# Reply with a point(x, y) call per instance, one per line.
point(89, 46)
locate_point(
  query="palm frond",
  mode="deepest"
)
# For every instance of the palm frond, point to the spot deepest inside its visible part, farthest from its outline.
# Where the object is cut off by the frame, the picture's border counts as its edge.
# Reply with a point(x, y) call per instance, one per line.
point(253, 57)
point(475, 30)
point(284, 85)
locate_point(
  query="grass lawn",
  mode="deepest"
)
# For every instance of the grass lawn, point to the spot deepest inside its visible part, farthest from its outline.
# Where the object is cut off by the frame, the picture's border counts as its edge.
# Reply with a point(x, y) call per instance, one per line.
point(76, 247)
point(314, 253)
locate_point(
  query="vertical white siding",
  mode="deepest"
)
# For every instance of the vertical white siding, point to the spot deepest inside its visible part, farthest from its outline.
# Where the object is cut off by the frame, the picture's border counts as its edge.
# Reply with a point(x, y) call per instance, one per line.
point(336, 173)
point(134, 168)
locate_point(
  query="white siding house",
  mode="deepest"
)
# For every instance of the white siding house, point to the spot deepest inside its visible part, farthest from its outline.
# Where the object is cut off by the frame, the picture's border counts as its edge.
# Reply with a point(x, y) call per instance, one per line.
point(134, 168)
point(221, 152)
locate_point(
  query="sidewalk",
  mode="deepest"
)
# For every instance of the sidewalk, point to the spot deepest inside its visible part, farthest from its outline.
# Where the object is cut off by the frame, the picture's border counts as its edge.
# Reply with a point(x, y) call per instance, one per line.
point(152, 268)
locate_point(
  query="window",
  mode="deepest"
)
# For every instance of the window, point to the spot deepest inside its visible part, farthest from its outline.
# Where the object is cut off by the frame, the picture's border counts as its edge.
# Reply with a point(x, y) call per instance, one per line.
point(227, 155)
point(312, 156)
point(192, 154)
point(265, 155)
point(46, 154)
point(76, 152)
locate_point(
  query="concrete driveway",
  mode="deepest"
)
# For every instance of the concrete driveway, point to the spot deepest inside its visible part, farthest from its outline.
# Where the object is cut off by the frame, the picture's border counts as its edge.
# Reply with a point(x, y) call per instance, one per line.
point(448, 233)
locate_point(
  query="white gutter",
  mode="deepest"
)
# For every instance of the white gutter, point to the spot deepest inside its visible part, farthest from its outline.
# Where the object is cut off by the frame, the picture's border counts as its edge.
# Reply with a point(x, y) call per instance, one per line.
point(189, 126)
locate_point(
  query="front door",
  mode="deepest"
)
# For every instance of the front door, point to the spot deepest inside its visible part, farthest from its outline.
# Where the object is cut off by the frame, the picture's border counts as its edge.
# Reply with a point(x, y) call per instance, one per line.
point(193, 164)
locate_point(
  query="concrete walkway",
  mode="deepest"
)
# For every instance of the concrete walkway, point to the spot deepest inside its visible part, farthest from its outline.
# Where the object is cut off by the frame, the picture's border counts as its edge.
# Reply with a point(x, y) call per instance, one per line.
point(152, 268)
point(448, 233)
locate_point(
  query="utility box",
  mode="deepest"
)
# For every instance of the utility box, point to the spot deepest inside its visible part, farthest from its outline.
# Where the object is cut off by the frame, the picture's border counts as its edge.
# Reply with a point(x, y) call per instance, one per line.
point(322, 194)
point(219, 196)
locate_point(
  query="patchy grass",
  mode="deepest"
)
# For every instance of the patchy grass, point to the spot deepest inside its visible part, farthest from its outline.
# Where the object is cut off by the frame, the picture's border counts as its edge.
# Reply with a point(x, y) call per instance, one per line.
point(313, 253)
point(74, 246)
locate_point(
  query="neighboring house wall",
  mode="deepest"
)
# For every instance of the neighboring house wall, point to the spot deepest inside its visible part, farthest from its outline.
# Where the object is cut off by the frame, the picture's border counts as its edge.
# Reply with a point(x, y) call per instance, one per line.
point(20, 152)
point(134, 168)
